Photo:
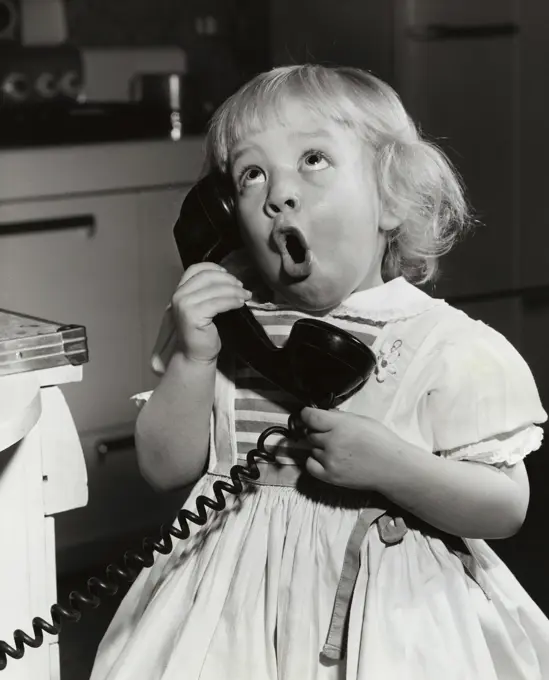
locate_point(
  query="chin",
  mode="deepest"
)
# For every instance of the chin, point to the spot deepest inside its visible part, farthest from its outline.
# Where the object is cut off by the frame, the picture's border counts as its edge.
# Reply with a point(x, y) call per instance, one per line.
point(310, 297)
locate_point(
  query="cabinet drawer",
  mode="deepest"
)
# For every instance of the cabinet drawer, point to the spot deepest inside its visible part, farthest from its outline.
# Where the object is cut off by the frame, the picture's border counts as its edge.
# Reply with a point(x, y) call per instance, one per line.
point(76, 261)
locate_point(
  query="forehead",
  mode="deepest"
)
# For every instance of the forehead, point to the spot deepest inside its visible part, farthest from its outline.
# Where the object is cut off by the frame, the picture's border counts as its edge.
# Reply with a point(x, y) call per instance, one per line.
point(288, 112)
point(295, 113)
point(292, 117)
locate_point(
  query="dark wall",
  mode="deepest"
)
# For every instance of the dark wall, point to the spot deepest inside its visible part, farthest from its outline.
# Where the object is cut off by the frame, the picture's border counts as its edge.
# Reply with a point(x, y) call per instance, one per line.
point(220, 62)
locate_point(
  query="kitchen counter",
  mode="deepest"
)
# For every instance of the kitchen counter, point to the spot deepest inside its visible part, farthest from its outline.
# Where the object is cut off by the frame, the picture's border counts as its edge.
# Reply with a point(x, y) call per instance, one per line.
point(42, 473)
point(59, 171)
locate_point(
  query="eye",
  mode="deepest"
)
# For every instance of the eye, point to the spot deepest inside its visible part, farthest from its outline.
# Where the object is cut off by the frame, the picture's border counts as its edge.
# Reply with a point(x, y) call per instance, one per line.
point(250, 176)
point(316, 160)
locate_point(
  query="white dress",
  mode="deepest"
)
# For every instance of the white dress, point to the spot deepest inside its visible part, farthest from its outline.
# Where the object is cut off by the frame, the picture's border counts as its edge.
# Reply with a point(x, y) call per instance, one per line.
point(254, 594)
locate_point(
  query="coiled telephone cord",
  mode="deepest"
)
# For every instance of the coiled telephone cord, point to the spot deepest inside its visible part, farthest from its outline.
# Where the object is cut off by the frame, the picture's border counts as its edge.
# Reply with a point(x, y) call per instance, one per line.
point(116, 574)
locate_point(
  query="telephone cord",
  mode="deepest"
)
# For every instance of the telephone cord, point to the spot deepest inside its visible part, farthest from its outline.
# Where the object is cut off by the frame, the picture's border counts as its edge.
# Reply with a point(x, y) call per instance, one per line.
point(116, 574)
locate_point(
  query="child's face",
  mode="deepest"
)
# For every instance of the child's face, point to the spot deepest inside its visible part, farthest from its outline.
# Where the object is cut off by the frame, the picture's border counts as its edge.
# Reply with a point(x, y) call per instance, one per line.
point(308, 172)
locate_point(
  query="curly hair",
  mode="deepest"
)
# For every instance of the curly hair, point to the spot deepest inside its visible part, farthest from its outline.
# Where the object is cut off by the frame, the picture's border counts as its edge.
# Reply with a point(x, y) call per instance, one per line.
point(416, 181)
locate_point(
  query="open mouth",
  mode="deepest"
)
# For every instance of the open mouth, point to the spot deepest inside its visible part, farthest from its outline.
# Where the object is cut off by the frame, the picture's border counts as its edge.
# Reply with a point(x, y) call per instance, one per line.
point(294, 251)
point(295, 248)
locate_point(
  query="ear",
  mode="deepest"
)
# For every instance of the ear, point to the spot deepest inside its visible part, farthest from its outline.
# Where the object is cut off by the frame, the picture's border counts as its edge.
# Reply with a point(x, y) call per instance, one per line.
point(389, 220)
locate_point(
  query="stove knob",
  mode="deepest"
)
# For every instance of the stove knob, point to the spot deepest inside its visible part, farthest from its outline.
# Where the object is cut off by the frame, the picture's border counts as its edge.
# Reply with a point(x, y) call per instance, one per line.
point(16, 87)
point(46, 85)
point(70, 84)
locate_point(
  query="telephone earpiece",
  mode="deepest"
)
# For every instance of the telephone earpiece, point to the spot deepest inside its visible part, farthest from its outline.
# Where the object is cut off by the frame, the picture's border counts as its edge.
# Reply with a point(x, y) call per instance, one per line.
point(207, 228)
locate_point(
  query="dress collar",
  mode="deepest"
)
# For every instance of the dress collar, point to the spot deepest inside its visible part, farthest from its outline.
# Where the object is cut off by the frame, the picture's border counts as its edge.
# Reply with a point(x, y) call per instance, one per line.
point(392, 301)
point(397, 299)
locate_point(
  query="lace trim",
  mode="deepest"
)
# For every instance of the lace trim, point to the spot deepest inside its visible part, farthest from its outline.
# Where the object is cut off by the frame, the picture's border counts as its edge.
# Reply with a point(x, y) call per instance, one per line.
point(384, 315)
point(375, 306)
point(351, 312)
point(503, 451)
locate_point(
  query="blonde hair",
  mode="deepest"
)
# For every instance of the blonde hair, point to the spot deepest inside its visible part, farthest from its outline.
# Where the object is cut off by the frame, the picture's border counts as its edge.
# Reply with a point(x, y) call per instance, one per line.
point(416, 180)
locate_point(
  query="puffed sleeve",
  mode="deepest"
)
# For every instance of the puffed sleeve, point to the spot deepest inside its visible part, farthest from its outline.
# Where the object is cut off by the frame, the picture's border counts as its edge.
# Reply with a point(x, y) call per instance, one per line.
point(141, 398)
point(484, 405)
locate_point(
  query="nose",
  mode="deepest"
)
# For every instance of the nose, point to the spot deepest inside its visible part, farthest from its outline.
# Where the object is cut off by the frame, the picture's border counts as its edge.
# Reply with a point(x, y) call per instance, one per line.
point(283, 197)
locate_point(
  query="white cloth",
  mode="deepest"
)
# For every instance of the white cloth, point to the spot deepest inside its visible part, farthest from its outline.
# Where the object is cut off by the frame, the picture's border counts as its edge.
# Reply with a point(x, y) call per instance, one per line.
point(250, 595)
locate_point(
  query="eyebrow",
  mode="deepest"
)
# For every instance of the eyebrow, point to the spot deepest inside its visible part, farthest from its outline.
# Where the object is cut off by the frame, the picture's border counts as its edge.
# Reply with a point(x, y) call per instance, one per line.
point(313, 133)
point(303, 134)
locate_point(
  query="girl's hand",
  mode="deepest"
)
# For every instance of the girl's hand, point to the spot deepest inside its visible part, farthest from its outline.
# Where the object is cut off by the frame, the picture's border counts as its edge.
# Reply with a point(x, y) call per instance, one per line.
point(353, 451)
point(205, 290)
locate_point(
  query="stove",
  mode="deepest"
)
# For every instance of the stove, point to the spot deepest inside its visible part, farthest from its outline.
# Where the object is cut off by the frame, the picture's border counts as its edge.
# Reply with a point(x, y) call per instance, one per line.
point(84, 123)
point(59, 95)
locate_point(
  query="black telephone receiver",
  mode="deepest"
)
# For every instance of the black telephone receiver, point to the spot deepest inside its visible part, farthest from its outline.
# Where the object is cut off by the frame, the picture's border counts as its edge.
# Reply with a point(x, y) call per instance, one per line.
point(320, 364)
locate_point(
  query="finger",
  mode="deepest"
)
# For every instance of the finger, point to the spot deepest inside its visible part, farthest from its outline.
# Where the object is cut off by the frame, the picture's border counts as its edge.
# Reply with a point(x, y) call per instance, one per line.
point(202, 268)
point(188, 295)
point(317, 439)
point(214, 306)
point(319, 455)
point(317, 419)
point(316, 469)
point(203, 278)
point(201, 296)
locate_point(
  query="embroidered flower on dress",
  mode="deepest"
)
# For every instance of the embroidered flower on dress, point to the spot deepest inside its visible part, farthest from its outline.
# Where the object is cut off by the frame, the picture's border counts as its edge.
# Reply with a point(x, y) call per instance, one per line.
point(386, 360)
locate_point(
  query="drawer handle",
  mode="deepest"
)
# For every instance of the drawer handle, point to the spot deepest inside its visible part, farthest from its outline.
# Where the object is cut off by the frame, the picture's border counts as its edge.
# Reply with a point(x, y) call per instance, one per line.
point(449, 32)
point(106, 447)
point(51, 224)
point(536, 297)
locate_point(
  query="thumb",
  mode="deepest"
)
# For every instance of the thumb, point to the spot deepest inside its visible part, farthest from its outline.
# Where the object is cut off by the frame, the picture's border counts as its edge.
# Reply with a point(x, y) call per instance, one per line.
point(317, 419)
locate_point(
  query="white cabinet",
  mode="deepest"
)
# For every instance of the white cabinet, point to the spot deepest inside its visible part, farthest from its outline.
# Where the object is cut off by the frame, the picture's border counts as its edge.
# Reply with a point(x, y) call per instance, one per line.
point(42, 473)
point(87, 275)
point(86, 238)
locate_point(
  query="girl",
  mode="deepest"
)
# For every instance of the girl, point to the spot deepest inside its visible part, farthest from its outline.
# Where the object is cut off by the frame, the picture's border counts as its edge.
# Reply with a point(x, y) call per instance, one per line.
point(360, 556)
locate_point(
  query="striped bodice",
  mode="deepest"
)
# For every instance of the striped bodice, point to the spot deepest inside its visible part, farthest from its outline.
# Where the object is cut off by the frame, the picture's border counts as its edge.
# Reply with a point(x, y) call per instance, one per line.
point(260, 404)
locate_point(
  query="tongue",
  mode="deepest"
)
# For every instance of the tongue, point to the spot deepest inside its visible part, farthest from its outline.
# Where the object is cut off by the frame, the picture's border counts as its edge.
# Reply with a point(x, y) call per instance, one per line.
point(296, 270)
point(296, 256)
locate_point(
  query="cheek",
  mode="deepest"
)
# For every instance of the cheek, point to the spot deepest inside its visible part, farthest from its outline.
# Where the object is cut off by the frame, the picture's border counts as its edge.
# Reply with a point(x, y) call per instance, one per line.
point(255, 238)
point(353, 234)
point(251, 217)
point(244, 217)
point(355, 251)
